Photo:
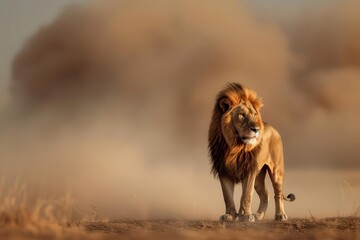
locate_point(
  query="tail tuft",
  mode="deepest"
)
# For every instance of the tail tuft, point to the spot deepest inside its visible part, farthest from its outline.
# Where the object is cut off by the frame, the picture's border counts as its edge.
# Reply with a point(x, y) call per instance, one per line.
point(290, 197)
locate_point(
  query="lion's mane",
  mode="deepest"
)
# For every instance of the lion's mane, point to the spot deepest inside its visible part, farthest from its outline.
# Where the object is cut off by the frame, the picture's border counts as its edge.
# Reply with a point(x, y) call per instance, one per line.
point(234, 161)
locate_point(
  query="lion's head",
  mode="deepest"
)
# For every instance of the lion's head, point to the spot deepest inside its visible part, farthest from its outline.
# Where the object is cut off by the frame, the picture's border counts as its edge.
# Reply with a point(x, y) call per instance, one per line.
point(241, 119)
point(236, 126)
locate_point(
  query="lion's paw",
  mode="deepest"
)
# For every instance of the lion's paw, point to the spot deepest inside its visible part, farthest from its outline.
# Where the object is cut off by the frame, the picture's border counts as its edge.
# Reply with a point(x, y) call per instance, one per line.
point(281, 217)
point(227, 218)
point(259, 216)
point(246, 218)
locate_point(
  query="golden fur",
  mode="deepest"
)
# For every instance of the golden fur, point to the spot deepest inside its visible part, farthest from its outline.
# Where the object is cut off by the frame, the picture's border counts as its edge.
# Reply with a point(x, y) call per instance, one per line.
point(243, 148)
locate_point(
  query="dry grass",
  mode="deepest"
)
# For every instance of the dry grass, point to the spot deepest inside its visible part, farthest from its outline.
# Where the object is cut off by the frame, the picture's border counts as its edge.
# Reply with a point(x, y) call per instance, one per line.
point(21, 217)
point(349, 200)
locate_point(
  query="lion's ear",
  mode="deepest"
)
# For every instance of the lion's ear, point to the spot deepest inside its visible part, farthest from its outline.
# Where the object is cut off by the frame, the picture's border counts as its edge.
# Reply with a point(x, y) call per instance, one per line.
point(225, 104)
point(257, 103)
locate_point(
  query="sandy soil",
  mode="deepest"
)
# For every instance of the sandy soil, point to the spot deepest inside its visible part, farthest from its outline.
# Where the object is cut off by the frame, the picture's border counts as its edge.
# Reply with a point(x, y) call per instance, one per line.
point(328, 228)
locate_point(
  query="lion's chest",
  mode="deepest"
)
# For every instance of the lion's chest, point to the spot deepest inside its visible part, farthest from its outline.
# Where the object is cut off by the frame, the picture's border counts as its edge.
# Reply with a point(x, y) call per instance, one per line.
point(238, 164)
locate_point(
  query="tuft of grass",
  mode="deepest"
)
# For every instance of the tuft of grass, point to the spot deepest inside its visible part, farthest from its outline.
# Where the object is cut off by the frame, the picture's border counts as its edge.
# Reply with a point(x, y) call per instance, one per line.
point(350, 201)
point(93, 215)
point(41, 218)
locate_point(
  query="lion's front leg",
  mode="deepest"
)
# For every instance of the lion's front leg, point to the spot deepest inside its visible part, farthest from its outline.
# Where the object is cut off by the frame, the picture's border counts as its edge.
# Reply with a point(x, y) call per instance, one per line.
point(246, 198)
point(227, 186)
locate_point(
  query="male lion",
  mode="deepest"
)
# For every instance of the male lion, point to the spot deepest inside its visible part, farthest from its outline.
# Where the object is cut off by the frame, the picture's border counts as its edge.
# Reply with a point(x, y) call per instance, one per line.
point(242, 149)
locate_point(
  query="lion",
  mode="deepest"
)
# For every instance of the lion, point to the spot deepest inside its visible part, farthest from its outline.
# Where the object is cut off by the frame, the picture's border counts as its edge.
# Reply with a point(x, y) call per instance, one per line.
point(243, 149)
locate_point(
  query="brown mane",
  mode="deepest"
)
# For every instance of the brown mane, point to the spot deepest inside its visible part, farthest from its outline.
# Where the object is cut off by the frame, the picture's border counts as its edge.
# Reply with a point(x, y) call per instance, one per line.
point(234, 161)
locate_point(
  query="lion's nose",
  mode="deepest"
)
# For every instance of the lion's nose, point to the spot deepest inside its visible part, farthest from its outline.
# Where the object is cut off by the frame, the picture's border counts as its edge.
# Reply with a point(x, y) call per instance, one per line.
point(255, 129)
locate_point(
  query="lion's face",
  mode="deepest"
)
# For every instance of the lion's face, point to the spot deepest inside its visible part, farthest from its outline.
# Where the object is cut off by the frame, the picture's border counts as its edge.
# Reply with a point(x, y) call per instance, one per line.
point(241, 121)
point(247, 123)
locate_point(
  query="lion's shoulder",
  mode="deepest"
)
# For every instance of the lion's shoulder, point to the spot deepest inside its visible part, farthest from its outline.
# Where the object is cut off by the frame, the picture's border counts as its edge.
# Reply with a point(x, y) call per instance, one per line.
point(271, 137)
point(270, 133)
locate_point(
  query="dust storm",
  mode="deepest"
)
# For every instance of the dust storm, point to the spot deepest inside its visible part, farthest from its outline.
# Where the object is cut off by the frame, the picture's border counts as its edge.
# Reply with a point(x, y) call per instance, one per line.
point(111, 102)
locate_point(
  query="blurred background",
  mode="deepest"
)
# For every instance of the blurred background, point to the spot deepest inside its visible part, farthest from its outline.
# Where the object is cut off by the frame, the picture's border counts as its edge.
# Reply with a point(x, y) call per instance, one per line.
point(111, 101)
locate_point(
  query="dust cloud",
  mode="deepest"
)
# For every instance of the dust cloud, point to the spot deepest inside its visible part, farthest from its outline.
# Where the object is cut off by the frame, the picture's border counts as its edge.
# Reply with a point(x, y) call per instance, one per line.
point(111, 101)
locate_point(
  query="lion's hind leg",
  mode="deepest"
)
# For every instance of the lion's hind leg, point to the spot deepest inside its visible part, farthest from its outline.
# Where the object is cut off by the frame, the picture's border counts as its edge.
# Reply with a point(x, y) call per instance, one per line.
point(277, 177)
point(261, 190)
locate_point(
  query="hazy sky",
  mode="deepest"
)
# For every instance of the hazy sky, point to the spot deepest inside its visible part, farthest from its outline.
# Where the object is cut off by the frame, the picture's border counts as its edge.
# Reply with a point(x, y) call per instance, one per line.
point(19, 19)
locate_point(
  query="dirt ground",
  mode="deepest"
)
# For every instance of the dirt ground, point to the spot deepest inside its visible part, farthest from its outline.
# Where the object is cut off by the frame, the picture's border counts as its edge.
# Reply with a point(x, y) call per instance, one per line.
point(327, 228)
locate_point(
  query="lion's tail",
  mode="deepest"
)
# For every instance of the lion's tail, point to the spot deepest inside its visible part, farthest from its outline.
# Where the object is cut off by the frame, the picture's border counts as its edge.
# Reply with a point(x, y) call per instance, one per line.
point(289, 198)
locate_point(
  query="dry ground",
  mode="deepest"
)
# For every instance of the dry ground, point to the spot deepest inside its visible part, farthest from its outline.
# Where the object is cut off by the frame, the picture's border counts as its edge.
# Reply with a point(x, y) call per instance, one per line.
point(335, 228)
point(328, 228)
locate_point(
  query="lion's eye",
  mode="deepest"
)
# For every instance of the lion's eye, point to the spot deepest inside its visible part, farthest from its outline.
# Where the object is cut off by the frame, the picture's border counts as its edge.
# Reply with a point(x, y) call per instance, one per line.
point(241, 116)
